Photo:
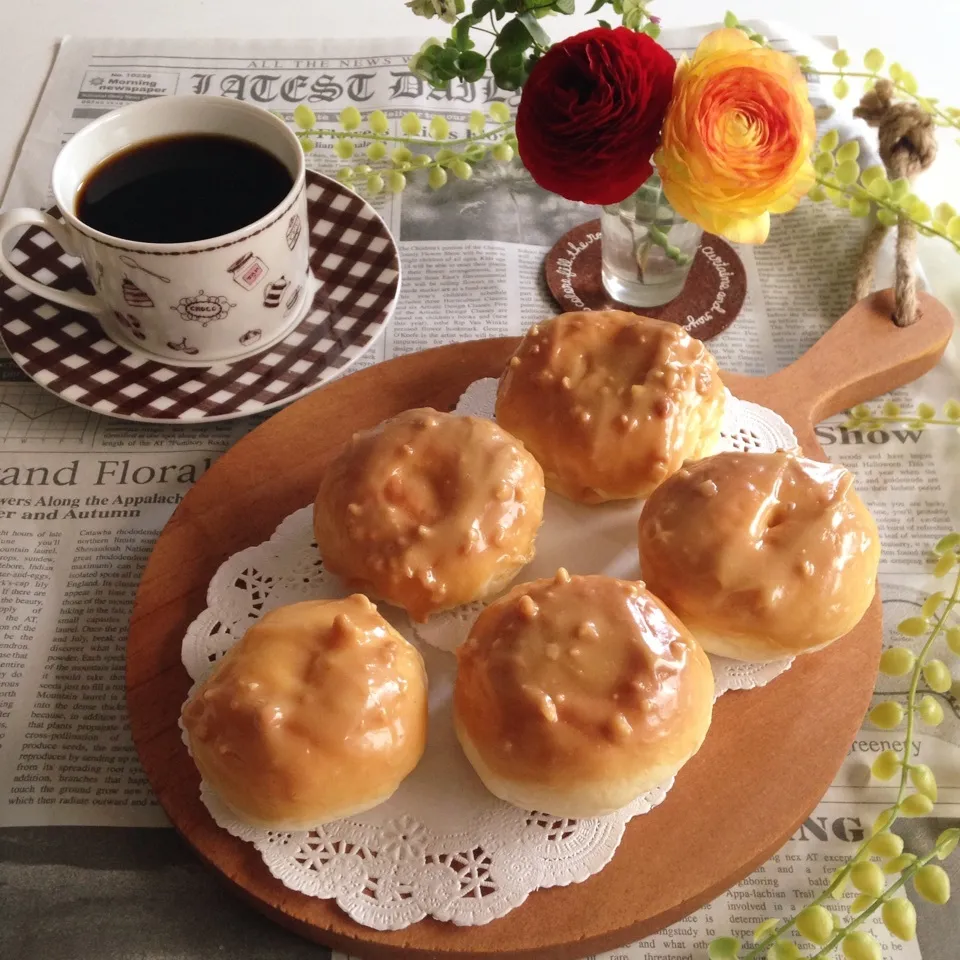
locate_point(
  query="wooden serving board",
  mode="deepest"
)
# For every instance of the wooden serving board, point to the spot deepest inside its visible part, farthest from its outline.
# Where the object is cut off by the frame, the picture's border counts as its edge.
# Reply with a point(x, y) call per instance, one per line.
point(767, 761)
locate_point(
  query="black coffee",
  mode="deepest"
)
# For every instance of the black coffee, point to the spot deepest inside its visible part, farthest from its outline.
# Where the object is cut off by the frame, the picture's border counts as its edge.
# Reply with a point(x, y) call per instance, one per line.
point(182, 188)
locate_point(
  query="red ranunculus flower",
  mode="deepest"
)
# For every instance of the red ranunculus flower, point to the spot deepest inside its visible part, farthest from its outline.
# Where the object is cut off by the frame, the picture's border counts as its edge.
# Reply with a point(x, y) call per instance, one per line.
point(590, 114)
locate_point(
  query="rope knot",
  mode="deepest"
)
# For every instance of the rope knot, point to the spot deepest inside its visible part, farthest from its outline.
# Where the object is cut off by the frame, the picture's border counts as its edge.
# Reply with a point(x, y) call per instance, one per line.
point(908, 146)
point(907, 135)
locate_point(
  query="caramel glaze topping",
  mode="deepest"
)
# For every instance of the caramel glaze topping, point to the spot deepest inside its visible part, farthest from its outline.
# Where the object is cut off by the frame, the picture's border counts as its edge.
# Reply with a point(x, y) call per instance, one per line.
point(319, 704)
point(772, 546)
point(576, 678)
point(610, 403)
point(429, 510)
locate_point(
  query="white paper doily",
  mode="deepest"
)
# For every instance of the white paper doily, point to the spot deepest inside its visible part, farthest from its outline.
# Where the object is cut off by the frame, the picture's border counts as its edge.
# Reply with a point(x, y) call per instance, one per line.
point(443, 846)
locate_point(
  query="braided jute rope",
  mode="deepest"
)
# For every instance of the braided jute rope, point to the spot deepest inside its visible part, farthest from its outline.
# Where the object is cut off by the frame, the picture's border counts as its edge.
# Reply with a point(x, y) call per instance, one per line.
point(907, 147)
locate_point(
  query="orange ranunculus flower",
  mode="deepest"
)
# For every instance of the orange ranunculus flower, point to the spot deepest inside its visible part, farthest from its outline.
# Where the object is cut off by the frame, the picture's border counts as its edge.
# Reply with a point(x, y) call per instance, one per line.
point(737, 137)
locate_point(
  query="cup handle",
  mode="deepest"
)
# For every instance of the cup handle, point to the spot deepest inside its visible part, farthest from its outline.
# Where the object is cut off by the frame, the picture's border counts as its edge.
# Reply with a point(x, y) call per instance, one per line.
point(25, 216)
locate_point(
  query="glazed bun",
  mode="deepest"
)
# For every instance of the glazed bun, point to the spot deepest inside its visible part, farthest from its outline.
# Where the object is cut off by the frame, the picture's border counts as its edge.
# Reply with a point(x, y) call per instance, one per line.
point(429, 510)
point(318, 713)
point(574, 695)
point(762, 555)
point(610, 403)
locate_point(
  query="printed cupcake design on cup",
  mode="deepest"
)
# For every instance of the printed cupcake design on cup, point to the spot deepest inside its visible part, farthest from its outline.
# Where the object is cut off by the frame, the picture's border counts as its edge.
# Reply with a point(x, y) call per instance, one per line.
point(247, 270)
point(203, 308)
point(293, 231)
point(251, 336)
point(183, 346)
point(131, 324)
point(293, 299)
point(274, 292)
point(133, 295)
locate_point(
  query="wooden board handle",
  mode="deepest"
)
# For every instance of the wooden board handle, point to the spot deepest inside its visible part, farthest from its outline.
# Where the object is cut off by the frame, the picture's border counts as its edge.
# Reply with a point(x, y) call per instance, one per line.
point(864, 355)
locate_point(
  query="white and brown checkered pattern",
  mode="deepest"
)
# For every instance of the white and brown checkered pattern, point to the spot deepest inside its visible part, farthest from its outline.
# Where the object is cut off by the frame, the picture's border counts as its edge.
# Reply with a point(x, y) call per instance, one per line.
point(354, 261)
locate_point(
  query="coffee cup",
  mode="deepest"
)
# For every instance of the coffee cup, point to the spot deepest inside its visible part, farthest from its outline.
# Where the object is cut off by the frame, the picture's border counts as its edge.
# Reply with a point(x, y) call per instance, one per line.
point(189, 214)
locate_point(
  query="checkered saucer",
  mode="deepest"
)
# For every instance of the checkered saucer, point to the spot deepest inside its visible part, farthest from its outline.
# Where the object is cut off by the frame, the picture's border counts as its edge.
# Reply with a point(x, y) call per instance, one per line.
point(356, 269)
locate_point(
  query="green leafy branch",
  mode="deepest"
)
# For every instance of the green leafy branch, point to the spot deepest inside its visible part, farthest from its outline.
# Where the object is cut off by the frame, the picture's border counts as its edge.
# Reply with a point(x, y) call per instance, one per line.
point(436, 153)
point(863, 418)
point(519, 39)
point(917, 793)
point(863, 191)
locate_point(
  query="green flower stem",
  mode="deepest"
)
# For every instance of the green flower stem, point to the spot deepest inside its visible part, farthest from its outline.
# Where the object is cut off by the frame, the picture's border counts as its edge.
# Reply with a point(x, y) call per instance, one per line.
point(952, 601)
point(861, 851)
point(824, 952)
point(855, 191)
point(945, 119)
point(406, 141)
point(857, 424)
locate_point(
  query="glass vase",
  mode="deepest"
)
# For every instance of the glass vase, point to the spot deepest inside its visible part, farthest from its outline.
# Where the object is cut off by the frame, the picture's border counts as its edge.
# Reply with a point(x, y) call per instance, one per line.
point(647, 247)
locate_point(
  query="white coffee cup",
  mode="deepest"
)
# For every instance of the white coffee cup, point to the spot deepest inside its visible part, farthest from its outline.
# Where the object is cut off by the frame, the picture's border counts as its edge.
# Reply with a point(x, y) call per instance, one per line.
point(193, 303)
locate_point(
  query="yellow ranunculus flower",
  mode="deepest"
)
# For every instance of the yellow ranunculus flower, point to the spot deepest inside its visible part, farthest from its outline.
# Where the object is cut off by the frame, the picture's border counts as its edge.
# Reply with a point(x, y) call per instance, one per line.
point(737, 137)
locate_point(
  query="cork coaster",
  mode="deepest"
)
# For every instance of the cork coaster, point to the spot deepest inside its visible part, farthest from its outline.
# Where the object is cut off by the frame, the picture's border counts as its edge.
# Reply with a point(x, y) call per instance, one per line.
point(707, 305)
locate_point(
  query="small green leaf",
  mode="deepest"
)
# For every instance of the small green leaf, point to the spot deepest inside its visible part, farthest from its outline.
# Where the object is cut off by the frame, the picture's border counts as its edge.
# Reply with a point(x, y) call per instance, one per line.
point(848, 151)
point(350, 118)
point(768, 926)
point(841, 59)
point(847, 172)
point(304, 117)
point(859, 945)
point(944, 565)
point(947, 842)
point(378, 122)
point(507, 67)
point(926, 411)
point(730, 19)
point(829, 141)
point(472, 65)
point(916, 805)
point(887, 715)
point(921, 776)
point(841, 88)
point(815, 923)
point(931, 713)
point(951, 410)
point(539, 35)
point(499, 111)
point(461, 33)
point(951, 540)
point(887, 217)
point(900, 918)
point(899, 864)
point(411, 125)
point(824, 163)
point(724, 948)
point(873, 59)
point(932, 883)
point(913, 626)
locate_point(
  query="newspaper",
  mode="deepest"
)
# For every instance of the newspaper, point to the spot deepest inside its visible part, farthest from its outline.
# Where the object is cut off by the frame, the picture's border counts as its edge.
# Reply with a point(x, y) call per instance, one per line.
point(83, 498)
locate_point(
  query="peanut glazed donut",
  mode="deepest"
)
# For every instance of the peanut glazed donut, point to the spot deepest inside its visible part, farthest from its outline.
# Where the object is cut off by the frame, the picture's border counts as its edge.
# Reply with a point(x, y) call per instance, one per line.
point(574, 695)
point(317, 713)
point(429, 510)
point(762, 555)
point(610, 403)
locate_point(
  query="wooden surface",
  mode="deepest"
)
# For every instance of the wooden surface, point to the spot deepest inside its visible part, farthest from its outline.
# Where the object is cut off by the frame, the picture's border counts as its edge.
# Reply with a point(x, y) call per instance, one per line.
point(765, 763)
